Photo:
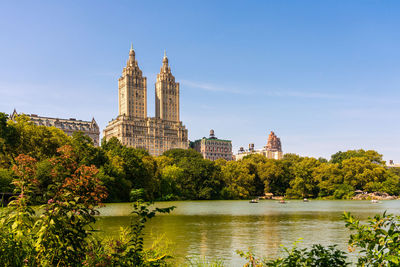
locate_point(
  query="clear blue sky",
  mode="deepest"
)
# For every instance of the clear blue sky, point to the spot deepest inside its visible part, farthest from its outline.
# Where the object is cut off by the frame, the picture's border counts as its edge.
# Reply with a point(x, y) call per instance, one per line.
point(324, 75)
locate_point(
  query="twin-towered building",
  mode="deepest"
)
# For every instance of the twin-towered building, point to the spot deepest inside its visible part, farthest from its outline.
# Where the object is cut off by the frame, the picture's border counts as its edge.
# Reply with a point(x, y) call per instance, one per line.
point(132, 126)
point(156, 134)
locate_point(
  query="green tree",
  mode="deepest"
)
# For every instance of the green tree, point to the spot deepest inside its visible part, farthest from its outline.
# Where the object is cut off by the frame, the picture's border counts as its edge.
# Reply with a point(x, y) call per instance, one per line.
point(362, 174)
point(171, 182)
point(9, 139)
point(39, 142)
point(371, 155)
point(392, 184)
point(272, 173)
point(201, 178)
point(328, 177)
point(87, 153)
point(252, 163)
point(304, 184)
point(127, 168)
point(238, 181)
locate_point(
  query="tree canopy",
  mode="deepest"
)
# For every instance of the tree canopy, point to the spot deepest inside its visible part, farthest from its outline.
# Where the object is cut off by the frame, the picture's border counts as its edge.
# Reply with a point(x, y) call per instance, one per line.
point(185, 174)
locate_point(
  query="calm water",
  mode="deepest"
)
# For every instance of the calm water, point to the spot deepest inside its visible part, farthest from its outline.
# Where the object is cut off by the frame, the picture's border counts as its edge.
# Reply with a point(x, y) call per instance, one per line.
point(216, 229)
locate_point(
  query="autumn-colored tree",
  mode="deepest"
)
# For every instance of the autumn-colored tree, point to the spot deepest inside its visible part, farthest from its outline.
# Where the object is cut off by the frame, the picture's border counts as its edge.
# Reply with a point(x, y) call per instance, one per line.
point(62, 237)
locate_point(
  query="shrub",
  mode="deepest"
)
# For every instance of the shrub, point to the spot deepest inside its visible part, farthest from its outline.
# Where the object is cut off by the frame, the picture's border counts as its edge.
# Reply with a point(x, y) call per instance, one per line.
point(379, 239)
point(317, 255)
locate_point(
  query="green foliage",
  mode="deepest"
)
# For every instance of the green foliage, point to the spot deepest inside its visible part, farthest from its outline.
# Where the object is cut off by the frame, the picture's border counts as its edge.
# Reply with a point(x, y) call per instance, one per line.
point(391, 185)
point(303, 184)
point(189, 176)
point(9, 140)
point(238, 180)
point(370, 155)
point(274, 175)
point(181, 174)
point(62, 234)
point(363, 174)
point(39, 142)
point(64, 227)
point(71, 176)
point(16, 222)
point(343, 191)
point(86, 152)
point(315, 256)
point(134, 250)
point(379, 239)
point(137, 194)
point(6, 177)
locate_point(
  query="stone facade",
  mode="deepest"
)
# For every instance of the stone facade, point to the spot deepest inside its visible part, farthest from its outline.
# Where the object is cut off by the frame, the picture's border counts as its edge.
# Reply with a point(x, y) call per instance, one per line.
point(132, 126)
point(213, 148)
point(273, 149)
point(69, 126)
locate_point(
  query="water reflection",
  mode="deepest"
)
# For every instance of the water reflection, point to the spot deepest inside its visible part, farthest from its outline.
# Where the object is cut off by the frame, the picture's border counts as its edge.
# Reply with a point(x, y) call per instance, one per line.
point(217, 229)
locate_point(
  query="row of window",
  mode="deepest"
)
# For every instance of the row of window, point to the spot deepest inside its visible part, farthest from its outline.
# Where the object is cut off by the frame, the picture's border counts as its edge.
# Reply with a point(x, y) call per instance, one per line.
point(220, 143)
point(218, 149)
point(215, 154)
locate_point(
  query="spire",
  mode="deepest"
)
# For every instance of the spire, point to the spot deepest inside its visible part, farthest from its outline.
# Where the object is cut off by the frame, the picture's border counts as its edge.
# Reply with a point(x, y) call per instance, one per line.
point(131, 54)
point(165, 59)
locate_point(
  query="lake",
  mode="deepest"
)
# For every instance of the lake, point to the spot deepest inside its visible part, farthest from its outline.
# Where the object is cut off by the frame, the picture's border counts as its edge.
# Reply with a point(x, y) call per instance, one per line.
point(216, 229)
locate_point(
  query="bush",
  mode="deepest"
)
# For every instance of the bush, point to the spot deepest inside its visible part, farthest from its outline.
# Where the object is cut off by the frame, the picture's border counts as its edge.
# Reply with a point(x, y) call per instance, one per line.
point(62, 235)
point(379, 239)
point(317, 255)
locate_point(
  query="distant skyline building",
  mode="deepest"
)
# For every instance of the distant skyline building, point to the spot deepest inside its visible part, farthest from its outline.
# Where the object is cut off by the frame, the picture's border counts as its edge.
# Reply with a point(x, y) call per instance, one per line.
point(132, 126)
point(68, 126)
point(273, 149)
point(213, 148)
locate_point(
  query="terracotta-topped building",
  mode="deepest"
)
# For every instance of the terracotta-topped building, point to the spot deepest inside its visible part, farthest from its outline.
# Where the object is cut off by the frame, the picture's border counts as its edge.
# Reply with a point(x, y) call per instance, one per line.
point(274, 143)
point(273, 149)
point(132, 126)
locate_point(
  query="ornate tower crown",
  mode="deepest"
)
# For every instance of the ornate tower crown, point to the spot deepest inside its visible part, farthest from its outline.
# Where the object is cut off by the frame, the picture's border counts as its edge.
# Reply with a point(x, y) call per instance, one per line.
point(274, 143)
point(132, 89)
point(167, 93)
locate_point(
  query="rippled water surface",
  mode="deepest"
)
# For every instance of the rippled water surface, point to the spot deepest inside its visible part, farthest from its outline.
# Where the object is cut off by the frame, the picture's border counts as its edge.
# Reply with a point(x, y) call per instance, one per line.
point(216, 229)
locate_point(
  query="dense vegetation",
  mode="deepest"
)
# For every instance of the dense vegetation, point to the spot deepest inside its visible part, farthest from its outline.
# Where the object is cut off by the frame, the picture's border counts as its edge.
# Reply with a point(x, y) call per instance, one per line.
point(184, 174)
point(61, 233)
point(71, 178)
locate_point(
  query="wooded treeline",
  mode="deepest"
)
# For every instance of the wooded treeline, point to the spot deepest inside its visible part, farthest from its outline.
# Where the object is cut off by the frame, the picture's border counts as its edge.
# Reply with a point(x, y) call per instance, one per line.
point(184, 174)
